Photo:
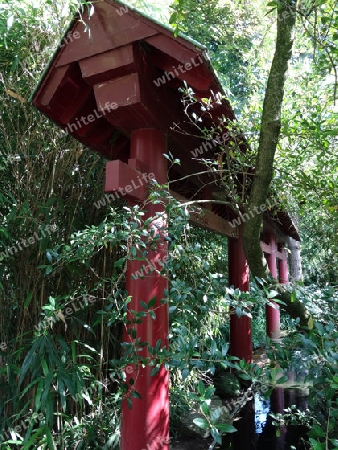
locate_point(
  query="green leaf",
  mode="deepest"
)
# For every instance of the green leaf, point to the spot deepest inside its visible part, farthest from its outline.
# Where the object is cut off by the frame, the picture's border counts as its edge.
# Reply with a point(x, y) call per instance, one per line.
point(119, 263)
point(73, 346)
point(316, 445)
point(215, 414)
point(154, 371)
point(216, 435)
point(34, 437)
point(44, 367)
point(172, 21)
point(158, 345)
point(201, 388)
point(282, 380)
point(243, 376)
point(152, 302)
point(272, 294)
point(29, 386)
point(38, 394)
point(209, 392)
point(201, 423)
point(26, 365)
point(226, 427)
point(205, 409)
point(310, 323)
point(49, 269)
point(136, 394)
point(50, 442)
point(319, 431)
point(185, 373)
point(293, 296)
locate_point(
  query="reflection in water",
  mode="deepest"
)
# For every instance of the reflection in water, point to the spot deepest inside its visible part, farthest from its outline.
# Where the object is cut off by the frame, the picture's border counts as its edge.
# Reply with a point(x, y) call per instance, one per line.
point(255, 429)
point(262, 409)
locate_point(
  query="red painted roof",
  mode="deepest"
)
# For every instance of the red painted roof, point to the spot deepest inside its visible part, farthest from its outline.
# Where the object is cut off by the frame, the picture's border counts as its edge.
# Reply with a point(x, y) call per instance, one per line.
point(116, 71)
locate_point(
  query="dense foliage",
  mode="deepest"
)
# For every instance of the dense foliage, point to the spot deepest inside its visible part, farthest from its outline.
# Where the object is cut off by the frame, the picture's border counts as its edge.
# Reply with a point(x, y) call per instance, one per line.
point(62, 298)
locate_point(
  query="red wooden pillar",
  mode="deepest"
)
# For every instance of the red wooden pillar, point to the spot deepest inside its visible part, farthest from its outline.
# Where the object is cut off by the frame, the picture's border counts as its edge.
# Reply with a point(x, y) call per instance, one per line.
point(240, 327)
point(277, 400)
point(146, 425)
point(277, 406)
point(283, 267)
point(273, 314)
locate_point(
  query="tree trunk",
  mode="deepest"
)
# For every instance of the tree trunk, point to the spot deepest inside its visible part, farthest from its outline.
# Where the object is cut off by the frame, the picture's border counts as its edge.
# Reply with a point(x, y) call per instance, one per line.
point(294, 309)
point(269, 134)
point(294, 259)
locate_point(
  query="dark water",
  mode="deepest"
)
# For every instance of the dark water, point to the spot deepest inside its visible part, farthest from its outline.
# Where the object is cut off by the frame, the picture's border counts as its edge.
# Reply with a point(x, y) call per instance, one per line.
point(255, 429)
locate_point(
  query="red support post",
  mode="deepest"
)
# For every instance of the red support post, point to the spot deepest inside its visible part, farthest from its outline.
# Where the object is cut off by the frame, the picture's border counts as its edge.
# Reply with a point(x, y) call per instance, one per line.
point(240, 327)
point(146, 425)
point(273, 313)
point(277, 405)
point(277, 400)
point(283, 267)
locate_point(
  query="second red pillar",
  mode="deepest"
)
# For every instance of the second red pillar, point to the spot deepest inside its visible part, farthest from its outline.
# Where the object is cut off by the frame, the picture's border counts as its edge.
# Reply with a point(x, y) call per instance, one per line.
point(240, 327)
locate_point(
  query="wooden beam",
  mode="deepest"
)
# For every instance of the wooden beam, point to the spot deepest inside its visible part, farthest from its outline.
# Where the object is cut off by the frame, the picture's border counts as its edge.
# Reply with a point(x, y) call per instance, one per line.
point(49, 89)
point(209, 220)
point(193, 71)
point(129, 182)
point(266, 248)
point(108, 65)
point(173, 47)
point(279, 255)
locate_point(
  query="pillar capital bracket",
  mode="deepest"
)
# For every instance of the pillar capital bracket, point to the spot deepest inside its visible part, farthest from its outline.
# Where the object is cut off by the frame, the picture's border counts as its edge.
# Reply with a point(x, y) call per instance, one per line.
point(130, 180)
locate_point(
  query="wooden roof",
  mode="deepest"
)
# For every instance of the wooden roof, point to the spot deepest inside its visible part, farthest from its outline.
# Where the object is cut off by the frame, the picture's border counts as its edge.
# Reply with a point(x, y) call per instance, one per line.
point(117, 70)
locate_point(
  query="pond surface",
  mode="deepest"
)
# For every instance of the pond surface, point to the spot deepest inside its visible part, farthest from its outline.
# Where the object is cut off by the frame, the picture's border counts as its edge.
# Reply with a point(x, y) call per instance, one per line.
point(255, 429)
